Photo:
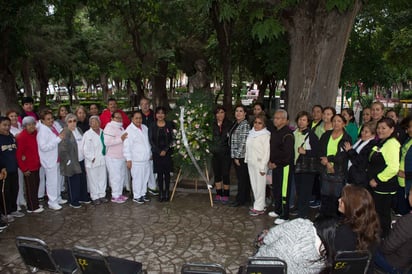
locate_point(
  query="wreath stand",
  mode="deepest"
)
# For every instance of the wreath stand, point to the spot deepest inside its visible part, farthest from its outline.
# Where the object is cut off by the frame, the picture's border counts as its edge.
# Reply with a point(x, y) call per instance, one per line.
point(179, 177)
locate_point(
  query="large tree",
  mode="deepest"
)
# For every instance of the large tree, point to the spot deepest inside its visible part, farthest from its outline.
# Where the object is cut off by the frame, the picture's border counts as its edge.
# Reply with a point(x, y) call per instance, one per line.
point(318, 32)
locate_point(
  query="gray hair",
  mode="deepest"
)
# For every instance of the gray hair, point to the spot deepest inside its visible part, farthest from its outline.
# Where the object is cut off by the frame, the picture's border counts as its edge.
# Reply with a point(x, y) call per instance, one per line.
point(94, 117)
point(284, 112)
point(28, 120)
point(70, 116)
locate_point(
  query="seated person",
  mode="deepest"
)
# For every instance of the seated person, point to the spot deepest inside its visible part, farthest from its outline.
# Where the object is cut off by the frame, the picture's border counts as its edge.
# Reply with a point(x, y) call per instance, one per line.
point(395, 253)
point(311, 248)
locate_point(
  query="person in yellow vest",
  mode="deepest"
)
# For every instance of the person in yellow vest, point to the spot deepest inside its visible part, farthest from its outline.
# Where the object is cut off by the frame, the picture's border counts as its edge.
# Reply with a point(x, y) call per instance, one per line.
point(383, 168)
point(405, 173)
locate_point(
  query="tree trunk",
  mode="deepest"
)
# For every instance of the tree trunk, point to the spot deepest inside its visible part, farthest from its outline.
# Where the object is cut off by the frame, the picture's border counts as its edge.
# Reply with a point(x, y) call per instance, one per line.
point(43, 79)
point(138, 81)
point(25, 74)
point(8, 91)
point(318, 40)
point(224, 33)
point(104, 86)
point(159, 85)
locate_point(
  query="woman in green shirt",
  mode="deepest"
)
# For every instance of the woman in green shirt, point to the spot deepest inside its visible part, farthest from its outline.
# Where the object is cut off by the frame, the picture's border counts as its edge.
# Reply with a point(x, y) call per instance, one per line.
point(334, 159)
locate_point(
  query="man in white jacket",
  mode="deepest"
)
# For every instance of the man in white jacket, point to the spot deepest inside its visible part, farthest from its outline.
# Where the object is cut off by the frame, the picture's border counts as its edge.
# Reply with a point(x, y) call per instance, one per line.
point(138, 153)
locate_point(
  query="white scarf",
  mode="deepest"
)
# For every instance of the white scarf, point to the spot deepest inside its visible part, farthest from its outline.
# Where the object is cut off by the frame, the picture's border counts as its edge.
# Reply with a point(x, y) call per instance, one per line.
point(253, 133)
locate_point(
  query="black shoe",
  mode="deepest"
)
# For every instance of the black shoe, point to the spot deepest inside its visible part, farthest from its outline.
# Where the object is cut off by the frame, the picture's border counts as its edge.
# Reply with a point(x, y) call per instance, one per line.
point(3, 225)
point(235, 204)
point(294, 212)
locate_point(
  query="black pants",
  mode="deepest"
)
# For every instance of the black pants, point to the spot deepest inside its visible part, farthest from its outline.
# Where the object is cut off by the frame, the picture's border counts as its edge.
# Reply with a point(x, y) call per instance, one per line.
point(78, 187)
point(163, 183)
point(9, 196)
point(243, 183)
point(383, 209)
point(304, 184)
point(281, 181)
point(221, 167)
point(31, 183)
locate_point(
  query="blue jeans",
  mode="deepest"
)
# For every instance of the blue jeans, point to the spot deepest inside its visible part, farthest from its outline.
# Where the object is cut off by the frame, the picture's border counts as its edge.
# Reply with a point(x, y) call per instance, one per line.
point(381, 263)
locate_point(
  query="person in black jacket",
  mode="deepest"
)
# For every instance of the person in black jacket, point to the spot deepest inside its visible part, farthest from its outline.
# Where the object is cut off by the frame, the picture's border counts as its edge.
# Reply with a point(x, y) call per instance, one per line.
point(335, 162)
point(161, 139)
point(281, 162)
point(383, 168)
point(358, 155)
point(306, 146)
point(220, 149)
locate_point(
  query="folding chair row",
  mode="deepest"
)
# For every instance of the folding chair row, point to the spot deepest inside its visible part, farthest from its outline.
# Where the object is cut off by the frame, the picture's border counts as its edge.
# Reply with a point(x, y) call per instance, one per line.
point(264, 265)
point(37, 255)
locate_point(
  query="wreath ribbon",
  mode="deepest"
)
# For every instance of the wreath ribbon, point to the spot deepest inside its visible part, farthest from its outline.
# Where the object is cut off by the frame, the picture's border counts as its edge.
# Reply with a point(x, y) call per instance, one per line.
point(189, 151)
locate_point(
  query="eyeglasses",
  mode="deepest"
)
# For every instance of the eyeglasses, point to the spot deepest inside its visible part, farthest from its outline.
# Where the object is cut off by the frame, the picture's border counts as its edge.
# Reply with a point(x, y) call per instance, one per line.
point(71, 121)
point(117, 117)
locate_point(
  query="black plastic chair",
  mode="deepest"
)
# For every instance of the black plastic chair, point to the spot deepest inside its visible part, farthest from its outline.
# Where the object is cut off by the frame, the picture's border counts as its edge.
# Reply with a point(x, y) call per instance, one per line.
point(37, 255)
point(265, 265)
point(92, 261)
point(202, 268)
point(351, 262)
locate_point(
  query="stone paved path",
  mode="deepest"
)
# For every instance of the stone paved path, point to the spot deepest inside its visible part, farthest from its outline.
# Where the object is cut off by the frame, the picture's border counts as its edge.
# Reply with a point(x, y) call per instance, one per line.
point(162, 236)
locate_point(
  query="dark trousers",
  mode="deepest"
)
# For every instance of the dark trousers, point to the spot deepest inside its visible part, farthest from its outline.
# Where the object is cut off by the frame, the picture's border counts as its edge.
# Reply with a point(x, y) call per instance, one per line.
point(383, 209)
point(163, 183)
point(401, 203)
point(316, 187)
point(304, 184)
point(31, 183)
point(9, 195)
point(221, 167)
point(382, 264)
point(281, 181)
point(243, 183)
point(78, 187)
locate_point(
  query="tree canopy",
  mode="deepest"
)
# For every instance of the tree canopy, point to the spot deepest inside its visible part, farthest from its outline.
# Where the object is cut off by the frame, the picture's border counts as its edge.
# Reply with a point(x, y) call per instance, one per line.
point(145, 44)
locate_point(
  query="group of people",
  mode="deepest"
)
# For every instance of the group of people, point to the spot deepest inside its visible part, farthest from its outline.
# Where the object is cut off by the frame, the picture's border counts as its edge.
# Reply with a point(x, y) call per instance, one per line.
point(42, 157)
point(324, 155)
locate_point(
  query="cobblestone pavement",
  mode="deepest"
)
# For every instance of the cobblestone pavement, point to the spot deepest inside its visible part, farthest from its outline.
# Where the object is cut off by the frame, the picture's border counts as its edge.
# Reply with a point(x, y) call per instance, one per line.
point(162, 236)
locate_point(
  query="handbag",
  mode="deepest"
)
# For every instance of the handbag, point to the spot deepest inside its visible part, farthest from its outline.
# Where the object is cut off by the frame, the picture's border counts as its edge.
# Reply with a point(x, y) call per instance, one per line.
point(307, 164)
point(331, 184)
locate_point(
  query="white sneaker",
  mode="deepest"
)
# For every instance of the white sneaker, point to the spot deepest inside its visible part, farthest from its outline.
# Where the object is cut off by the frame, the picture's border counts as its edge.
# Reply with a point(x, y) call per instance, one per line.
point(55, 207)
point(39, 210)
point(279, 221)
point(62, 201)
point(17, 214)
point(273, 214)
point(7, 218)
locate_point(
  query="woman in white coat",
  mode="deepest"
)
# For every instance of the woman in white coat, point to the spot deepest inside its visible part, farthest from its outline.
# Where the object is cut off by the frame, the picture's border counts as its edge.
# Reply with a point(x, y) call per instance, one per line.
point(94, 152)
point(257, 158)
point(138, 153)
point(48, 139)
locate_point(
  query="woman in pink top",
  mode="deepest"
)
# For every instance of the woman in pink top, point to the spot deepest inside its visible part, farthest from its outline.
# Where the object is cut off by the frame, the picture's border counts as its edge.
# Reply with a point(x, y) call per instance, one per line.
point(114, 137)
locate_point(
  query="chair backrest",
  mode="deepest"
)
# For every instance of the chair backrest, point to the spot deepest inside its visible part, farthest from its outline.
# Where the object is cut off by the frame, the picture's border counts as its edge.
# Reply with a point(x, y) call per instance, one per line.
point(266, 265)
point(202, 268)
point(36, 255)
point(351, 262)
point(90, 261)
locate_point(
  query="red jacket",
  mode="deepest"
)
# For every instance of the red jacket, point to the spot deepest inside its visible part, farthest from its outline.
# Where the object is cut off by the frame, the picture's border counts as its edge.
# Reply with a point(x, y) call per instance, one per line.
point(106, 117)
point(27, 153)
